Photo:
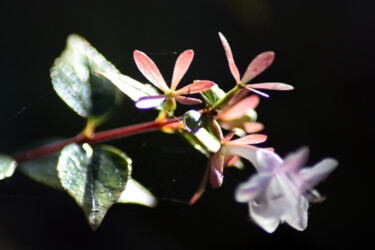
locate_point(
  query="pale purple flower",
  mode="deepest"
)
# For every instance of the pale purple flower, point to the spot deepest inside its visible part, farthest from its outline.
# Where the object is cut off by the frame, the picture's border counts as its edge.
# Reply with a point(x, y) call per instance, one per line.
point(276, 193)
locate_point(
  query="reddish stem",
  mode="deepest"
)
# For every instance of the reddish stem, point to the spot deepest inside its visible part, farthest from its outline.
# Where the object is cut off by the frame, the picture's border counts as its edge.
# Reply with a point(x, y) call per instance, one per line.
point(96, 138)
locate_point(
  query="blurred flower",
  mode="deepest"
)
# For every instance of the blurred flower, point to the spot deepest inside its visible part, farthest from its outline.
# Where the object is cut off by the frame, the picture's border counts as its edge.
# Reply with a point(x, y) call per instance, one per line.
point(257, 66)
point(219, 160)
point(276, 193)
point(152, 73)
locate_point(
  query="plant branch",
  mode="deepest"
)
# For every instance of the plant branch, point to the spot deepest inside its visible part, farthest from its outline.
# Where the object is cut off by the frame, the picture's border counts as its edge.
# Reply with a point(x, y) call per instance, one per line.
point(96, 138)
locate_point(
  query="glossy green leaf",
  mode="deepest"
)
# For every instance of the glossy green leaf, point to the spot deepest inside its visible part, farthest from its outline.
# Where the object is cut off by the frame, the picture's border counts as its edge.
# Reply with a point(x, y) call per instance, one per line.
point(43, 170)
point(195, 142)
point(202, 140)
point(88, 94)
point(136, 193)
point(208, 140)
point(130, 87)
point(7, 166)
point(212, 95)
point(94, 176)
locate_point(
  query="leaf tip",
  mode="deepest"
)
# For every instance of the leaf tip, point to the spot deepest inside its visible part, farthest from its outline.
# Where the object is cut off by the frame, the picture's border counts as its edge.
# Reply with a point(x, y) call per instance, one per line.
point(7, 166)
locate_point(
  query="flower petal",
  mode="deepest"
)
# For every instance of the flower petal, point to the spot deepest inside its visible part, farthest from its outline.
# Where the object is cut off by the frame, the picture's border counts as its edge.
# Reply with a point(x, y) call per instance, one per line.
point(263, 160)
point(269, 206)
point(195, 87)
point(291, 204)
point(245, 151)
point(257, 66)
point(271, 86)
point(240, 109)
point(217, 168)
point(279, 203)
point(227, 138)
point(182, 64)
point(294, 161)
point(253, 127)
point(268, 223)
point(250, 190)
point(187, 100)
point(228, 52)
point(149, 101)
point(256, 91)
point(250, 139)
point(150, 70)
point(297, 216)
point(309, 177)
point(267, 160)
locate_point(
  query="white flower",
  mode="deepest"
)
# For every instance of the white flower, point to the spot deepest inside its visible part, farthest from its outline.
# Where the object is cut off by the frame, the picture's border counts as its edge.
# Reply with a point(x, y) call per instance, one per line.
point(276, 193)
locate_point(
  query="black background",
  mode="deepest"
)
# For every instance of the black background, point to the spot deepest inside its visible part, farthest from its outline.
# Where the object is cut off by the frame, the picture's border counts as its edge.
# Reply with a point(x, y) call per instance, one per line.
point(323, 48)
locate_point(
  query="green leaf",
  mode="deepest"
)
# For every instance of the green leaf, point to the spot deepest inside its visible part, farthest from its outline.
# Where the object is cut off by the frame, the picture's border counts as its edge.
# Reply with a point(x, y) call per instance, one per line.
point(43, 170)
point(212, 95)
point(88, 94)
point(210, 142)
point(136, 193)
point(130, 87)
point(94, 176)
point(7, 166)
point(195, 142)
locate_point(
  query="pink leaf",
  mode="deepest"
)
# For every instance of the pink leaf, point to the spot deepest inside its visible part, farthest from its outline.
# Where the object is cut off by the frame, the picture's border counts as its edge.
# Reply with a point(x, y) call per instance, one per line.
point(227, 138)
point(252, 101)
point(150, 70)
point(182, 64)
point(217, 168)
point(271, 86)
point(201, 188)
point(195, 87)
point(249, 139)
point(253, 127)
point(232, 66)
point(187, 100)
point(257, 66)
point(270, 149)
point(240, 109)
point(231, 161)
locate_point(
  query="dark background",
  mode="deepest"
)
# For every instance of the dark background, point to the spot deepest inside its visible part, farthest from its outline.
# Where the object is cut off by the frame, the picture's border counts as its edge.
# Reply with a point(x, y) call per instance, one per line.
point(323, 48)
